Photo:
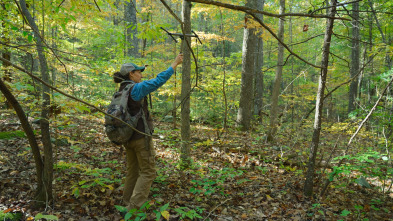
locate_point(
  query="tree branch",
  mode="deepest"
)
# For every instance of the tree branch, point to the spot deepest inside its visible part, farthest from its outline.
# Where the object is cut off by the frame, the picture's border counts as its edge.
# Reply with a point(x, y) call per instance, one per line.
point(171, 11)
point(42, 39)
point(341, 4)
point(281, 42)
point(70, 96)
point(97, 6)
point(338, 86)
point(371, 112)
point(251, 10)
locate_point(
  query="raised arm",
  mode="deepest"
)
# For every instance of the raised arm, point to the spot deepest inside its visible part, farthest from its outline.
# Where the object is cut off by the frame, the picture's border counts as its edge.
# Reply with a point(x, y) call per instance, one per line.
point(140, 90)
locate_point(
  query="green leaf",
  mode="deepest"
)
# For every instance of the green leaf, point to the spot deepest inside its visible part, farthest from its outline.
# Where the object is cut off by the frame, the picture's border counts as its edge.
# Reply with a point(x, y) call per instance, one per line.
point(48, 217)
point(128, 216)
point(82, 108)
point(30, 38)
point(345, 213)
point(164, 207)
point(363, 182)
point(121, 208)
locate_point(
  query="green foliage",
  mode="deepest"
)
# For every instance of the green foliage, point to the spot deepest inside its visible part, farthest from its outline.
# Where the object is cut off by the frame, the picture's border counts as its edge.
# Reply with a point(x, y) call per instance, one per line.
point(345, 213)
point(185, 212)
point(160, 211)
point(214, 180)
point(102, 178)
point(7, 135)
point(11, 216)
point(46, 217)
point(161, 176)
point(370, 164)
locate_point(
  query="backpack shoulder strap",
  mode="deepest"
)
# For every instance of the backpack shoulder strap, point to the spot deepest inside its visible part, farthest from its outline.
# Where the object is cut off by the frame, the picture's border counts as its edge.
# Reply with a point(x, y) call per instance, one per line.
point(126, 94)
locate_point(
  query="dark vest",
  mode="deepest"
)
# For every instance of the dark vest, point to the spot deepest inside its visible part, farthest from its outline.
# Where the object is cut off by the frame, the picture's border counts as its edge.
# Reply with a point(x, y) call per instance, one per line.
point(133, 108)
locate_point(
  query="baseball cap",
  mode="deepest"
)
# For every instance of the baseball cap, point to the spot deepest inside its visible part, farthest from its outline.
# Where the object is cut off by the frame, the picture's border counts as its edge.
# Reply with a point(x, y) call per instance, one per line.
point(128, 67)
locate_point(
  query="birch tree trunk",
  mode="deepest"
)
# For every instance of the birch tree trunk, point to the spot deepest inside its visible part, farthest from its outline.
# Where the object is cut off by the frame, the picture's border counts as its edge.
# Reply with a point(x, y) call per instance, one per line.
point(131, 29)
point(277, 80)
point(186, 88)
point(44, 195)
point(244, 113)
point(309, 183)
point(355, 57)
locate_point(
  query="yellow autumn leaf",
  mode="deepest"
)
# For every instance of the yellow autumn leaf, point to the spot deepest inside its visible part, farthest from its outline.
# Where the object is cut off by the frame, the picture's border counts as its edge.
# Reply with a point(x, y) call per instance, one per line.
point(110, 187)
point(165, 214)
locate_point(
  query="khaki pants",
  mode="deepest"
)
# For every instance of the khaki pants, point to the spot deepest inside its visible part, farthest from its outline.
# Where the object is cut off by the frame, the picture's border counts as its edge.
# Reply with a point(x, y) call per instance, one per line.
point(141, 172)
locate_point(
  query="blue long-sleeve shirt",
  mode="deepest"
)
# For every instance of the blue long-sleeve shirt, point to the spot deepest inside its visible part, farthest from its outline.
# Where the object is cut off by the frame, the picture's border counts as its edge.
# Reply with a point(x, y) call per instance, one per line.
point(140, 90)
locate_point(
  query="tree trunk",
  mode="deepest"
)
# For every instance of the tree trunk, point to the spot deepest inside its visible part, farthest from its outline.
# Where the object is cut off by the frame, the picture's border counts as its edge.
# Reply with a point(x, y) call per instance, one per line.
point(174, 102)
point(309, 183)
point(277, 81)
point(388, 62)
point(355, 57)
point(6, 54)
point(291, 102)
point(244, 113)
point(186, 88)
point(116, 17)
point(29, 133)
point(371, 89)
point(45, 195)
point(258, 101)
point(131, 24)
point(224, 126)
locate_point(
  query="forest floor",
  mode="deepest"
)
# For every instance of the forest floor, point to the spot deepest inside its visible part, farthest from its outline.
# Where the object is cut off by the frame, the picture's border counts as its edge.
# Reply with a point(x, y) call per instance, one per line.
point(234, 176)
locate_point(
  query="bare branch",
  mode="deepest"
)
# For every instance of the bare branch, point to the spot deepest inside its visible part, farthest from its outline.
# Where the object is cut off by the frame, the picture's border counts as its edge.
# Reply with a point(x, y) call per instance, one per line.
point(171, 11)
point(97, 5)
point(306, 40)
point(42, 39)
point(350, 38)
point(341, 4)
point(281, 42)
point(247, 9)
point(252, 12)
point(61, 3)
point(371, 112)
point(70, 96)
point(338, 86)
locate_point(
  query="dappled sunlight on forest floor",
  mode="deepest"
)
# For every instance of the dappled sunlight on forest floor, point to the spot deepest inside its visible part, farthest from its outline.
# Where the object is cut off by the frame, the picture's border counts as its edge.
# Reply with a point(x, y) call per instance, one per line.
point(234, 176)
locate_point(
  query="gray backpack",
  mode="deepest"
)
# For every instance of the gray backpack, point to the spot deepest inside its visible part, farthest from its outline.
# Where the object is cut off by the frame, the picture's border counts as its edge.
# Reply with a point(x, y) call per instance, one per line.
point(118, 132)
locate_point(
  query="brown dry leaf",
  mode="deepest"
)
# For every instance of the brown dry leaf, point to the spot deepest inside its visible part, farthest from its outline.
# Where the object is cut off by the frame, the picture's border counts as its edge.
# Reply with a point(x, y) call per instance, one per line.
point(244, 216)
point(8, 210)
point(13, 173)
point(244, 161)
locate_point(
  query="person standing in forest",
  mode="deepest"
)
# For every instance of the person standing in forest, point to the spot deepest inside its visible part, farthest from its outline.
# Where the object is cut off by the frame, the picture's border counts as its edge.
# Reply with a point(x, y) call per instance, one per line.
point(140, 152)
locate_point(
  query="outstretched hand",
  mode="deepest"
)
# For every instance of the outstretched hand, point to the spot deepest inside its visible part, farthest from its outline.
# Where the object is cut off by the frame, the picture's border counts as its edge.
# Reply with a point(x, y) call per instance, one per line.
point(178, 60)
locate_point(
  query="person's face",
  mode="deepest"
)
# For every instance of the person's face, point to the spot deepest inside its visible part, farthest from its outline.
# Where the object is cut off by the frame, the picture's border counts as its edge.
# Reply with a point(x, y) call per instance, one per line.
point(136, 76)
